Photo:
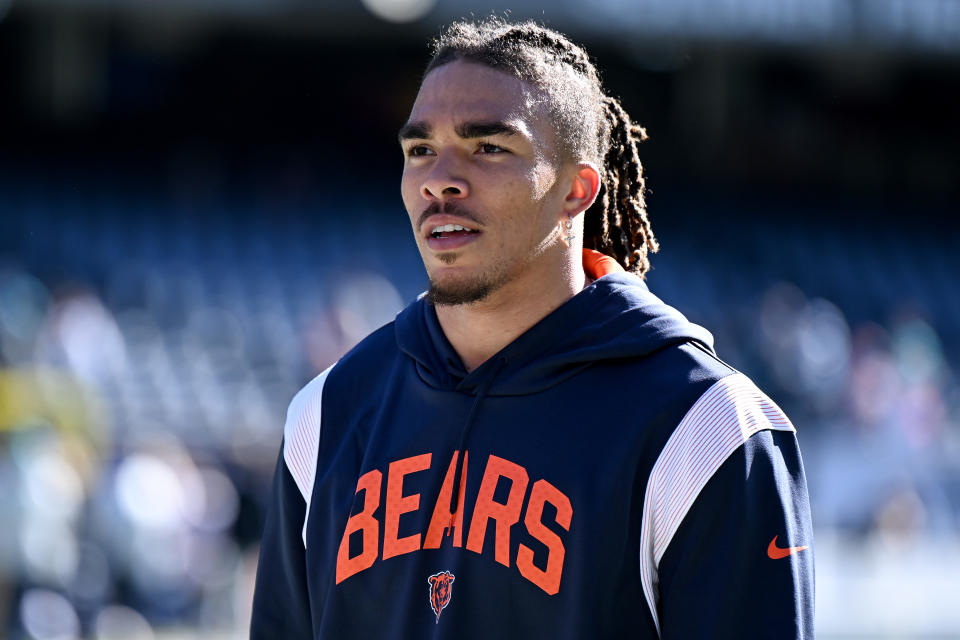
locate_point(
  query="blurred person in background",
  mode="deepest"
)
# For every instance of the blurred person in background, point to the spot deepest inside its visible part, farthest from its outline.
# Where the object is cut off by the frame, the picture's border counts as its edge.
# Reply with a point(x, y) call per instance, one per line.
point(661, 492)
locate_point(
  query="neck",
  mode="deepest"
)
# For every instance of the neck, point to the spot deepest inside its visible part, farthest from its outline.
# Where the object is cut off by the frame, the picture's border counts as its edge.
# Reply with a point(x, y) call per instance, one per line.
point(479, 330)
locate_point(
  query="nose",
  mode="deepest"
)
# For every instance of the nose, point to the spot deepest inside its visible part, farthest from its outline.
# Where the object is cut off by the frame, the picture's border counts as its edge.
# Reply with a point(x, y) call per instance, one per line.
point(444, 181)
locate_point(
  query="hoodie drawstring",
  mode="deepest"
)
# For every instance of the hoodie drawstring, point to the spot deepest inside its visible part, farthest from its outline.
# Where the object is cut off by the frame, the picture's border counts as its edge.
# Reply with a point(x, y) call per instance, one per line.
point(482, 392)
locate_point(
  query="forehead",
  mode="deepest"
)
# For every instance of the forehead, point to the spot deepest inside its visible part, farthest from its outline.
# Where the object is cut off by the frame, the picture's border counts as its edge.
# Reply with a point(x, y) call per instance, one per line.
point(463, 91)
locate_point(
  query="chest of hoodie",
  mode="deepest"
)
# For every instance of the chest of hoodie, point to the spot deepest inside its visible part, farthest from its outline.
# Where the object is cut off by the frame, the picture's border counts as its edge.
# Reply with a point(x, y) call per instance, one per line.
point(552, 486)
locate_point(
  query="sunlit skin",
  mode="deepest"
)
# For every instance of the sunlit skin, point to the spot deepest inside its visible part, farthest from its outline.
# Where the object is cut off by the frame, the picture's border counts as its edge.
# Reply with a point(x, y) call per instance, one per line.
point(480, 141)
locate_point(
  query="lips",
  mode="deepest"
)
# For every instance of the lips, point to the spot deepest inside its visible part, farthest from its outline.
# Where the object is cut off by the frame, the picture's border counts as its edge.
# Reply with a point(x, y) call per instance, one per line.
point(444, 232)
point(449, 240)
point(449, 229)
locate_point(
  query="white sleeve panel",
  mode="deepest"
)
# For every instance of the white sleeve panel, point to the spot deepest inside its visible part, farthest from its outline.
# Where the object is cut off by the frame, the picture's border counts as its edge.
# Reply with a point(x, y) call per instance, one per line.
point(301, 439)
point(721, 420)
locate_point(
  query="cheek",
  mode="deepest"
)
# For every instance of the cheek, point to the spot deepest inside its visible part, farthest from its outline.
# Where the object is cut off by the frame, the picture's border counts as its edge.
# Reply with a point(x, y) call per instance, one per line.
point(543, 177)
point(545, 199)
point(523, 186)
point(410, 193)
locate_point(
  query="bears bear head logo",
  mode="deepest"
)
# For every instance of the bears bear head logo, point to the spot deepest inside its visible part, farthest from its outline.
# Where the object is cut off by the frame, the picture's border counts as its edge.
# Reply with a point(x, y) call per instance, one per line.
point(441, 586)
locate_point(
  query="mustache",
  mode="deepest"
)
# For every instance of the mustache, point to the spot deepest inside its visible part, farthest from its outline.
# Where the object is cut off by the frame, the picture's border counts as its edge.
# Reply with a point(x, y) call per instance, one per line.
point(448, 208)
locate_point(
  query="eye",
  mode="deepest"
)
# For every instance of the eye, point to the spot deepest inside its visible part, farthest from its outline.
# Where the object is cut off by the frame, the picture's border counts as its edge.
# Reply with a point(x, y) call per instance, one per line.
point(418, 150)
point(488, 147)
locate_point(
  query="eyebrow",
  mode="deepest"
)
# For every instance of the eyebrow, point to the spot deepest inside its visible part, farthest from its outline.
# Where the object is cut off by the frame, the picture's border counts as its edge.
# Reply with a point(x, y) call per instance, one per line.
point(413, 130)
point(485, 129)
point(466, 130)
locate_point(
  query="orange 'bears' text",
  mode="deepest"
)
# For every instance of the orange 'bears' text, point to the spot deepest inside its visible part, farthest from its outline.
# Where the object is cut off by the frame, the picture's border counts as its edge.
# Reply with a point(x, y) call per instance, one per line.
point(504, 515)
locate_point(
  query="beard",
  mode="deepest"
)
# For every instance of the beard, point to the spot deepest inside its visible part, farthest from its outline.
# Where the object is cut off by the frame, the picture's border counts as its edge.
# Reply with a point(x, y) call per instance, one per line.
point(458, 294)
point(473, 290)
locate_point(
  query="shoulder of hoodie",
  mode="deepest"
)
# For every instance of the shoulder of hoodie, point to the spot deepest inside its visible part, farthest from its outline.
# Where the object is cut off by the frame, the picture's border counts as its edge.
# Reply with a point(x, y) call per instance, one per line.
point(720, 406)
point(349, 379)
point(684, 373)
point(693, 365)
point(709, 400)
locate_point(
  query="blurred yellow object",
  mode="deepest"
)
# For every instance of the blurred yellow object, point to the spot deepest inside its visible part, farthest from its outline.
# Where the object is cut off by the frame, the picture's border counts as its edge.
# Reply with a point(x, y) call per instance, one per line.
point(47, 396)
point(52, 400)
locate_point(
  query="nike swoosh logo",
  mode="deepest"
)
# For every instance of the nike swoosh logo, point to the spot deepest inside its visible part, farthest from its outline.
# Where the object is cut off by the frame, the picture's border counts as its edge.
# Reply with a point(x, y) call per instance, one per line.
point(775, 552)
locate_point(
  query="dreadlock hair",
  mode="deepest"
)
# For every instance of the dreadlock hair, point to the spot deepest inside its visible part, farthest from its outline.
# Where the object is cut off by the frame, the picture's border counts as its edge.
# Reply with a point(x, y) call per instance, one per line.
point(588, 124)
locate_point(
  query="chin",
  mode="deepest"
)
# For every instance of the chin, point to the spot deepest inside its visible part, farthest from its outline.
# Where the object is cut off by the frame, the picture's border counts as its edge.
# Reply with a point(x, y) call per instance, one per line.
point(454, 286)
point(465, 289)
point(441, 296)
point(455, 291)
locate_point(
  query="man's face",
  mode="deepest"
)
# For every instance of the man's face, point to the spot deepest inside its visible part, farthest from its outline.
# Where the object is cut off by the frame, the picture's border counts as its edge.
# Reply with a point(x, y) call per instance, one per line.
point(478, 155)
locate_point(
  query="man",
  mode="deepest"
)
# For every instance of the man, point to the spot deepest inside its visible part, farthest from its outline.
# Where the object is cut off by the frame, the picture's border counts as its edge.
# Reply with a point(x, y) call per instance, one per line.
point(538, 447)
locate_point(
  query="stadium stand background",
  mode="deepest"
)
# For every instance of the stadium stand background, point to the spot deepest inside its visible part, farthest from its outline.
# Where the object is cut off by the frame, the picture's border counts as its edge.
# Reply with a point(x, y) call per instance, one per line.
point(199, 211)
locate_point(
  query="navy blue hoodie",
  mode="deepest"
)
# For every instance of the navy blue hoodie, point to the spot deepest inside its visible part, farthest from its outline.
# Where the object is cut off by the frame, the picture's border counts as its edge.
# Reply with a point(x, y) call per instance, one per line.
point(617, 481)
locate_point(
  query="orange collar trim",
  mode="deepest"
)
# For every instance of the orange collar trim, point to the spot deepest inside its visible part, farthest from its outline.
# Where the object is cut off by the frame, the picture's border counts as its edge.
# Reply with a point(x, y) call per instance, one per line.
point(596, 265)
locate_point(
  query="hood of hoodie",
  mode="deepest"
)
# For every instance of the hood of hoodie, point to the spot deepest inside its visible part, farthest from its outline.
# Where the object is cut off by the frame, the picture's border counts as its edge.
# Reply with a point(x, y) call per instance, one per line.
point(614, 317)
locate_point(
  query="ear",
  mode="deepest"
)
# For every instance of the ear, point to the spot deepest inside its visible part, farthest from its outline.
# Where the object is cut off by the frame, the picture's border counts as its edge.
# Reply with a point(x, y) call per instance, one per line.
point(583, 189)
